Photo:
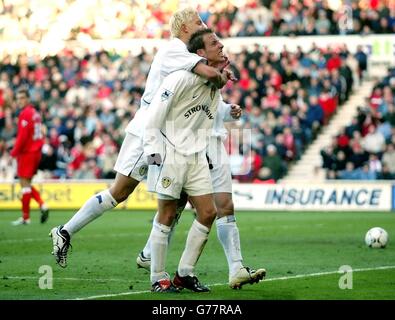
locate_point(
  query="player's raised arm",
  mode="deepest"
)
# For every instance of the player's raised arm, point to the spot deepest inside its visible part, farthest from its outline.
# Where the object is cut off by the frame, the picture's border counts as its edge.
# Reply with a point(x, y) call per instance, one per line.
point(219, 79)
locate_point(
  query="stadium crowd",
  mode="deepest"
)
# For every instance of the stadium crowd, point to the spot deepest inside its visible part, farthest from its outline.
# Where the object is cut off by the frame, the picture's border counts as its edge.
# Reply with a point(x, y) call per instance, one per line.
point(116, 19)
point(365, 149)
point(87, 101)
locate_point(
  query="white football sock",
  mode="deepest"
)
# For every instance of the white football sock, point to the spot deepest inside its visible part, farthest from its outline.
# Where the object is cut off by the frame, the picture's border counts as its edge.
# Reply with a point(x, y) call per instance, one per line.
point(228, 235)
point(93, 208)
point(159, 243)
point(147, 248)
point(196, 240)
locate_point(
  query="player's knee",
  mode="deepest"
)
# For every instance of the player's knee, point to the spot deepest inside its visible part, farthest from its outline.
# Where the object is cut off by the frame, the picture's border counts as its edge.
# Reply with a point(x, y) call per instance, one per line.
point(123, 188)
point(121, 194)
point(225, 208)
point(207, 216)
point(168, 219)
point(120, 197)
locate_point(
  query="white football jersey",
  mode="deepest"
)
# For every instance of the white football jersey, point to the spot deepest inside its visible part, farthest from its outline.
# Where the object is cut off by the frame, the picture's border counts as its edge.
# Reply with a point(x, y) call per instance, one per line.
point(182, 114)
point(171, 57)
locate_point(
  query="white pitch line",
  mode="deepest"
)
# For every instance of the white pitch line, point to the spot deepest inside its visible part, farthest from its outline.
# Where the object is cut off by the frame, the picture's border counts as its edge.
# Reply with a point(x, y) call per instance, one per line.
point(71, 279)
point(317, 274)
point(111, 295)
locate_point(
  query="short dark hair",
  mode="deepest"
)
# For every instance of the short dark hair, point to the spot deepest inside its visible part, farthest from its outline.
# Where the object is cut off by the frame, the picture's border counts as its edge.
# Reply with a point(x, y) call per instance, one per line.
point(196, 42)
point(22, 90)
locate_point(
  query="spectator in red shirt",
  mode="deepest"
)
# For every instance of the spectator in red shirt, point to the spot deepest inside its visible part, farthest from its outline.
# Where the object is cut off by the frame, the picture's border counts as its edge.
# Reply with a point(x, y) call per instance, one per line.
point(223, 26)
point(27, 151)
point(328, 104)
point(376, 99)
point(272, 99)
point(276, 79)
point(244, 81)
point(342, 139)
point(334, 62)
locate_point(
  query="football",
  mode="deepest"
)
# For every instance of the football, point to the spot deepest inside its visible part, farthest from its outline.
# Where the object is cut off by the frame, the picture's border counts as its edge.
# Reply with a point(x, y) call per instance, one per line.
point(376, 238)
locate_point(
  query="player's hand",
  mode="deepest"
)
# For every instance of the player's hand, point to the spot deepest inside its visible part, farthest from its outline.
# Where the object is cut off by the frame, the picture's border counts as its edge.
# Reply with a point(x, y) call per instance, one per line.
point(230, 75)
point(235, 111)
point(224, 64)
point(226, 75)
point(154, 159)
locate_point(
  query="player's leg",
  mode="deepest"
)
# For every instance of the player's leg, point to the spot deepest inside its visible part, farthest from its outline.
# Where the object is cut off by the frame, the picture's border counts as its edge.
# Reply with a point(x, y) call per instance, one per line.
point(27, 165)
point(195, 243)
point(228, 235)
point(227, 230)
point(159, 239)
point(93, 208)
point(99, 203)
point(37, 197)
point(26, 197)
point(144, 258)
point(166, 180)
point(35, 159)
point(131, 169)
point(174, 167)
point(199, 188)
point(43, 207)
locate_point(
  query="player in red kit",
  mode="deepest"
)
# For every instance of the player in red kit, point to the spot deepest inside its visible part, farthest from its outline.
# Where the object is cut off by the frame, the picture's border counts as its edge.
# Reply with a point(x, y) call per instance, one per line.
point(27, 152)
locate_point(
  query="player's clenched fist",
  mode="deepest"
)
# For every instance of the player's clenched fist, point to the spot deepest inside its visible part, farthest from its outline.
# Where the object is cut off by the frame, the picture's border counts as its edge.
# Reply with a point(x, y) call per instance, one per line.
point(235, 111)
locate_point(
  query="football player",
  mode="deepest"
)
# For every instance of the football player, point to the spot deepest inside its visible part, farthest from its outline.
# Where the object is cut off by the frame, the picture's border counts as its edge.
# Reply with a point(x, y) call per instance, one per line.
point(27, 152)
point(131, 166)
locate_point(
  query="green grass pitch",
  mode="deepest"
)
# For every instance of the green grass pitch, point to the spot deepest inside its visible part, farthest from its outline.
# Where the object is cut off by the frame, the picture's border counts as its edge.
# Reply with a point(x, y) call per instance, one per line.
point(302, 252)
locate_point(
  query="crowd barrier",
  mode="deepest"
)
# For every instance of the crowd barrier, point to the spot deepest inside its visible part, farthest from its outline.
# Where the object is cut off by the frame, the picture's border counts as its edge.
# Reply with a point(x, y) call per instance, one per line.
point(72, 195)
point(330, 196)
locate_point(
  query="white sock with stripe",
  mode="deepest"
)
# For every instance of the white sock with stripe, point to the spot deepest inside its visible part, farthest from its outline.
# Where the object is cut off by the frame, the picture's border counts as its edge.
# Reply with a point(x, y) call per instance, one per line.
point(92, 209)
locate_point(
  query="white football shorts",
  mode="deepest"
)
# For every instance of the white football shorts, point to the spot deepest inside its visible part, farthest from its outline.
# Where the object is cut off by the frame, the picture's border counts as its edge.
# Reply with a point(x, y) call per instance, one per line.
point(131, 161)
point(177, 173)
point(221, 176)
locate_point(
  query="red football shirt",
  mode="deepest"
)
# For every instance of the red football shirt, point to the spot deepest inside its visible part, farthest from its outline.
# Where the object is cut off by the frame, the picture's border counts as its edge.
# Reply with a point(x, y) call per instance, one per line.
point(29, 137)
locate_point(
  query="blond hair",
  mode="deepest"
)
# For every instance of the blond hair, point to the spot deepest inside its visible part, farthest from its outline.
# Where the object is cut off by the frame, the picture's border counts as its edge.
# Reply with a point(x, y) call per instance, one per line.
point(179, 18)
